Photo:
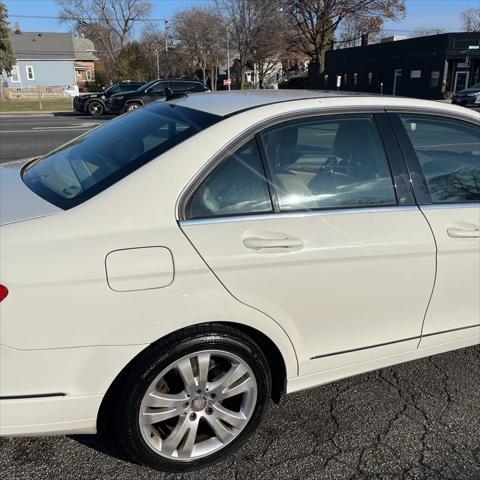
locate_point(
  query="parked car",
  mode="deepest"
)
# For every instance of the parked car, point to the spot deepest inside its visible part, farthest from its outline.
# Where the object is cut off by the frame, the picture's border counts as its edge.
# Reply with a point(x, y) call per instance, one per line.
point(94, 103)
point(154, 90)
point(168, 273)
point(71, 91)
point(468, 97)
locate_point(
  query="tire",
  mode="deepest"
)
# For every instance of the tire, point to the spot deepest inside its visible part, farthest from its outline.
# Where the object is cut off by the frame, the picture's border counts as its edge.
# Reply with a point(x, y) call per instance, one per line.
point(132, 106)
point(193, 436)
point(95, 108)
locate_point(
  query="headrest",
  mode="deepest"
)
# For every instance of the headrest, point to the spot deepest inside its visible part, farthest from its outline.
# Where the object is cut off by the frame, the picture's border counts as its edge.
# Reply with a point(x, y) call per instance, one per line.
point(351, 136)
point(284, 138)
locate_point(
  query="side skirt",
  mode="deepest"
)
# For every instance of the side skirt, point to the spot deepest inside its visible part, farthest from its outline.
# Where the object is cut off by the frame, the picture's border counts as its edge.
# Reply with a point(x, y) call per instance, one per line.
point(385, 356)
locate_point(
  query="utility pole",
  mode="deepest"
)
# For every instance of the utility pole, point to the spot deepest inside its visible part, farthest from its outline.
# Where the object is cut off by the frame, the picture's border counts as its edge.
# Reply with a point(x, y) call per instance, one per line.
point(166, 46)
point(157, 52)
point(229, 87)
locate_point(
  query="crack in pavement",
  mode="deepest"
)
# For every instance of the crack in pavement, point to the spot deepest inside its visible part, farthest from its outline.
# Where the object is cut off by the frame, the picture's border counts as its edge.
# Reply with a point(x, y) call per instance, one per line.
point(415, 421)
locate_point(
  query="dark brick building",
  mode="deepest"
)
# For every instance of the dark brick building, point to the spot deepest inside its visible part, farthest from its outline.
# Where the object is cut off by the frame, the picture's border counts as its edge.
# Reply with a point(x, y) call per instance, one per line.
point(429, 67)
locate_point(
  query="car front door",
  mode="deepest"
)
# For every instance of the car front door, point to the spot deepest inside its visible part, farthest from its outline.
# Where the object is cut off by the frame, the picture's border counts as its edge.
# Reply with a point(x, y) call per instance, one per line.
point(156, 92)
point(303, 222)
point(443, 156)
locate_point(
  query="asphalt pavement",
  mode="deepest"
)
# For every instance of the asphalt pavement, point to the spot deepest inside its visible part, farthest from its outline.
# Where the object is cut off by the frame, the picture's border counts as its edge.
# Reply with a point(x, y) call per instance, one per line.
point(26, 137)
point(416, 421)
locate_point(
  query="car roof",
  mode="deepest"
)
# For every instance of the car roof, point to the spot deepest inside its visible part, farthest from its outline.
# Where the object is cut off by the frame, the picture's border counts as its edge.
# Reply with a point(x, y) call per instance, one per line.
point(227, 103)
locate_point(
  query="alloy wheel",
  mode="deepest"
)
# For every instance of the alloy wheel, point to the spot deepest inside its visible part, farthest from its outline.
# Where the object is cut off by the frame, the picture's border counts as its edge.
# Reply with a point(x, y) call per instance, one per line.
point(95, 108)
point(197, 405)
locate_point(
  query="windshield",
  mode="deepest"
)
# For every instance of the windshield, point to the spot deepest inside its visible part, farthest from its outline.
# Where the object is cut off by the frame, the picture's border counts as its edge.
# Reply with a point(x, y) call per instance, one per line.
point(93, 162)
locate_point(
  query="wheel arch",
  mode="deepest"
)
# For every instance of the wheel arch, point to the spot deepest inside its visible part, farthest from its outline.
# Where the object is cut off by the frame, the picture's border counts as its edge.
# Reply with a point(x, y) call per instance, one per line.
point(275, 359)
point(99, 100)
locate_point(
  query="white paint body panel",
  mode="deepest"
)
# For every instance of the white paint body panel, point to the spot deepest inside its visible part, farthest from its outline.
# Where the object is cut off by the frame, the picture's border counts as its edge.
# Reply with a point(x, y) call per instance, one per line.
point(353, 274)
point(456, 299)
point(17, 201)
point(63, 329)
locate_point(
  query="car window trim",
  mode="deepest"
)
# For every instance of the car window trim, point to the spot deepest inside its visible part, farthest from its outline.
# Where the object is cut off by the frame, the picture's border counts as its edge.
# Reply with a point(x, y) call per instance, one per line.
point(268, 173)
point(398, 167)
point(256, 129)
point(418, 180)
point(252, 216)
point(415, 172)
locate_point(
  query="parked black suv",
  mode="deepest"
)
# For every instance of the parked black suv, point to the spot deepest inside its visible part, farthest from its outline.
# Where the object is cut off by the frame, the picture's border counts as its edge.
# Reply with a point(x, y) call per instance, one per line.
point(468, 96)
point(94, 103)
point(154, 90)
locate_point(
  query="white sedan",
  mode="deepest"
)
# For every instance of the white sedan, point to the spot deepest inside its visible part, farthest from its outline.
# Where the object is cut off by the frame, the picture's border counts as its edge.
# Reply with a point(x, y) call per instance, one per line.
point(167, 274)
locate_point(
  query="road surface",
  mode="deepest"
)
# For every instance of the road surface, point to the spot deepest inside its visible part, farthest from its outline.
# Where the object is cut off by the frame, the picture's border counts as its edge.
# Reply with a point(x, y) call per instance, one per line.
point(26, 137)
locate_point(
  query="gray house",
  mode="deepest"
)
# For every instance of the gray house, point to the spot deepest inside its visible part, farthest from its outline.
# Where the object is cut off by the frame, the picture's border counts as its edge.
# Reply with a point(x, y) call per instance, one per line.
point(45, 62)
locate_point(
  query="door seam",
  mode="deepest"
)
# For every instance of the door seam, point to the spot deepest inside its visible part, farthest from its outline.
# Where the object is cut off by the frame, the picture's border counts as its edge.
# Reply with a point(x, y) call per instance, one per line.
point(434, 276)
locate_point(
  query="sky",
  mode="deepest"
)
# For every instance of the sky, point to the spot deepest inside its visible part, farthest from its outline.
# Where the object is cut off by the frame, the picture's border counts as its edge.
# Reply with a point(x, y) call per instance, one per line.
point(420, 14)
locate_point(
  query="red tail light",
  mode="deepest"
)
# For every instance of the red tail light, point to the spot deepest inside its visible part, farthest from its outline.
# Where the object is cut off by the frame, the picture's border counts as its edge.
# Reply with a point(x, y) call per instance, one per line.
point(3, 292)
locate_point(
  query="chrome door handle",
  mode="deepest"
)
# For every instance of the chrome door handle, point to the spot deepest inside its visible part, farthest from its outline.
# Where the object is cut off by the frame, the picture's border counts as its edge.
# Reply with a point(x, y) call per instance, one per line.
point(257, 243)
point(455, 232)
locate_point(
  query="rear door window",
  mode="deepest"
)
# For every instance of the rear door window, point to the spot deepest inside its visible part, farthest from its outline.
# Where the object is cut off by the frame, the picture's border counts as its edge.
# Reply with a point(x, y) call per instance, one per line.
point(335, 162)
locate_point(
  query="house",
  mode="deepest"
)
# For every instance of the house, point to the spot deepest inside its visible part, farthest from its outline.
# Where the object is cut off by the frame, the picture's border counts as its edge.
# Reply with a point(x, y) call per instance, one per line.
point(85, 59)
point(430, 67)
point(45, 64)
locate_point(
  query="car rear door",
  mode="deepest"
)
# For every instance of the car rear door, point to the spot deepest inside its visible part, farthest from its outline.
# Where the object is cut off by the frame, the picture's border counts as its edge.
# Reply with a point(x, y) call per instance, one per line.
point(311, 224)
point(443, 156)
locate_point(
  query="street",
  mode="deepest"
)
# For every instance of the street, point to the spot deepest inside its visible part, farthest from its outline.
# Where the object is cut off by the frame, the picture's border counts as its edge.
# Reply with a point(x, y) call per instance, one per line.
point(415, 421)
point(26, 137)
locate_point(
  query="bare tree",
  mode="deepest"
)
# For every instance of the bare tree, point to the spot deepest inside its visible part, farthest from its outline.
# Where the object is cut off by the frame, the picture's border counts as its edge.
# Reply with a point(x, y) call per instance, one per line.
point(316, 21)
point(153, 43)
point(108, 23)
point(200, 33)
point(471, 20)
point(252, 23)
point(354, 28)
point(243, 17)
point(270, 43)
